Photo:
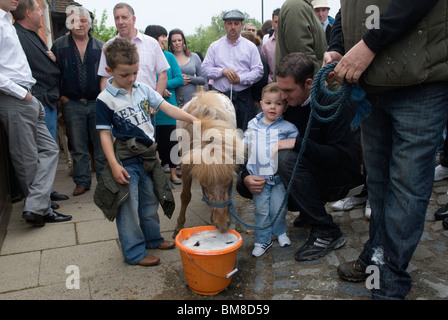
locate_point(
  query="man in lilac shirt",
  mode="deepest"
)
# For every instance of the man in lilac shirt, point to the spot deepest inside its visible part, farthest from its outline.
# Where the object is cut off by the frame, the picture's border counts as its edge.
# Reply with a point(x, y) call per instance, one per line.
point(234, 65)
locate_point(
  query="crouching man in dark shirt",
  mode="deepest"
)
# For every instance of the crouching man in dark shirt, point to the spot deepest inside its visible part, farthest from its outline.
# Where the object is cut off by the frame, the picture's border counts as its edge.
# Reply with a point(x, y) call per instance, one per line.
point(328, 169)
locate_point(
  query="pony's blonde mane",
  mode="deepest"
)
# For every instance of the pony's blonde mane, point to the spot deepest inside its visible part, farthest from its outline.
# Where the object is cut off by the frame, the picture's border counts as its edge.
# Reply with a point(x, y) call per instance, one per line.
point(214, 168)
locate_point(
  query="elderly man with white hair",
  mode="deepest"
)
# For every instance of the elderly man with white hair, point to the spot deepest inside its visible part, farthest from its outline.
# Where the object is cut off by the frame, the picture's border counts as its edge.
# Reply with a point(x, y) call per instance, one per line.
point(321, 8)
point(78, 55)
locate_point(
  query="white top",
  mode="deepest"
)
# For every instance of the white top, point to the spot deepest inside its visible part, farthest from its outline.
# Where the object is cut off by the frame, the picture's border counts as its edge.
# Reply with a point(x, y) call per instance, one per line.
point(14, 68)
point(152, 60)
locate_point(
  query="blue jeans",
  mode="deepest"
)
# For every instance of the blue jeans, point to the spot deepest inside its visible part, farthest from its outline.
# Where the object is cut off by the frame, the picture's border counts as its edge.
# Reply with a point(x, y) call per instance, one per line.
point(267, 204)
point(80, 120)
point(137, 221)
point(51, 120)
point(400, 138)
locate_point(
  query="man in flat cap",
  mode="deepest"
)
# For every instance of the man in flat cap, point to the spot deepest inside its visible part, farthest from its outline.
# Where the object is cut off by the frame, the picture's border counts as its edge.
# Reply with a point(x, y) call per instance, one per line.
point(321, 9)
point(234, 65)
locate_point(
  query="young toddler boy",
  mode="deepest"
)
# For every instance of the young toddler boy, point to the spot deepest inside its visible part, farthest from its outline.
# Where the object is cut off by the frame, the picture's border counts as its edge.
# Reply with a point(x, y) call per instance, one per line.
point(123, 111)
point(261, 137)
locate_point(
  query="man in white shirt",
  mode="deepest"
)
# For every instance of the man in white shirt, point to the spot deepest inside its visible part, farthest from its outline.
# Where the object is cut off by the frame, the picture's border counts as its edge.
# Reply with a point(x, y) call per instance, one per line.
point(153, 64)
point(34, 153)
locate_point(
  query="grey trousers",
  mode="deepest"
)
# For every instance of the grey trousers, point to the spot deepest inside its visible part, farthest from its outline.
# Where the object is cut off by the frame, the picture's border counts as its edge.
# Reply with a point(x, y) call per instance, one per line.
point(34, 153)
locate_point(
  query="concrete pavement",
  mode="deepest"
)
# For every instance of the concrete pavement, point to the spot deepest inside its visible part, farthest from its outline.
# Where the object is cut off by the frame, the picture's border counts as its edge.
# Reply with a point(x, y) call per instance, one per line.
point(40, 263)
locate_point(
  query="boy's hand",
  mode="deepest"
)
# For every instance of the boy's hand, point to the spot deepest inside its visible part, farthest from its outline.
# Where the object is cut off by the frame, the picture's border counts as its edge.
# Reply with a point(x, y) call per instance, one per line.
point(120, 174)
point(254, 184)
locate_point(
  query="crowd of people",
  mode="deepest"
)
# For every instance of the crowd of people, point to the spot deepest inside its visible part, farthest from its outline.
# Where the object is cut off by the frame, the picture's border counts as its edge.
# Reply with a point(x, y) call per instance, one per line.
point(120, 101)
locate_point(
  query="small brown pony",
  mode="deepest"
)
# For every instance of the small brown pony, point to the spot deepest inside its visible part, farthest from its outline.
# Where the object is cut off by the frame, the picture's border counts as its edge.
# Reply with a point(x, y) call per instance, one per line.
point(210, 151)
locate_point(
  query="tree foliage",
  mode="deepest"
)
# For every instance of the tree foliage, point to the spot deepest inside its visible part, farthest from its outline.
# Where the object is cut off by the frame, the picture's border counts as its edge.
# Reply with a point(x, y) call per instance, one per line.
point(100, 31)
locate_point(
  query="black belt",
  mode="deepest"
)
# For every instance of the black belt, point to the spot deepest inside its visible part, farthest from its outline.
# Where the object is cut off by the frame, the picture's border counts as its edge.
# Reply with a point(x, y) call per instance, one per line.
point(84, 101)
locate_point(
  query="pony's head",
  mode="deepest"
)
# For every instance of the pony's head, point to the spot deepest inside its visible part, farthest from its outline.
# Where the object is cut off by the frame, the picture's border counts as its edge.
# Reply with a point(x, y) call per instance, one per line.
point(212, 151)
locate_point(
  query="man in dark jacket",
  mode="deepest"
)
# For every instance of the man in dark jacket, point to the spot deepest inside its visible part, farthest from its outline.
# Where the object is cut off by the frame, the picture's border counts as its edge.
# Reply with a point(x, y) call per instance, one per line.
point(78, 55)
point(28, 20)
point(396, 56)
point(329, 167)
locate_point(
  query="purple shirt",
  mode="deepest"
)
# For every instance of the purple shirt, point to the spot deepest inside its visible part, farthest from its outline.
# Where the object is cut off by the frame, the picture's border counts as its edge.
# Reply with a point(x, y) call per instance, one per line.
point(243, 57)
point(268, 51)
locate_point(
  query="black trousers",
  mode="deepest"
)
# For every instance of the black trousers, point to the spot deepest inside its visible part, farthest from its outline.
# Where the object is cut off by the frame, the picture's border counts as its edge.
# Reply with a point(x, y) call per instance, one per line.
point(244, 107)
point(165, 145)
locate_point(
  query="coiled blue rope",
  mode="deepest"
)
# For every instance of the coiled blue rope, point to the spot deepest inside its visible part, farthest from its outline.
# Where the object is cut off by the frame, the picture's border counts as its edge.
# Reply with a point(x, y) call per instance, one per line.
point(348, 91)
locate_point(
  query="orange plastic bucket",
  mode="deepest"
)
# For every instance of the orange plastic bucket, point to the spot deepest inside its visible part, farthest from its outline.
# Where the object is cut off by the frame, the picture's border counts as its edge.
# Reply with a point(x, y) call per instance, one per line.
point(207, 272)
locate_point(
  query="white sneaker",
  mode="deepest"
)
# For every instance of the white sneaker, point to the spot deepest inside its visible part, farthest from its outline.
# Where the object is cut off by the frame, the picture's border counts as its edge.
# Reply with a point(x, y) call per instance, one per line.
point(440, 173)
point(166, 168)
point(260, 249)
point(283, 240)
point(348, 203)
point(368, 210)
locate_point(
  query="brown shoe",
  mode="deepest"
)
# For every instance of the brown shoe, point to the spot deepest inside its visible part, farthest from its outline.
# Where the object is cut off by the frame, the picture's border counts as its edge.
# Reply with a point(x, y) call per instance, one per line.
point(150, 260)
point(79, 190)
point(165, 245)
point(352, 271)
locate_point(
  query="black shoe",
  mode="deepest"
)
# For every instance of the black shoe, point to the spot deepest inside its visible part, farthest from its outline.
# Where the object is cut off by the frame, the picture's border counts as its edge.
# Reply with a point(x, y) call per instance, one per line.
point(54, 196)
point(57, 217)
point(445, 223)
point(54, 205)
point(36, 220)
point(442, 213)
point(352, 271)
point(315, 247)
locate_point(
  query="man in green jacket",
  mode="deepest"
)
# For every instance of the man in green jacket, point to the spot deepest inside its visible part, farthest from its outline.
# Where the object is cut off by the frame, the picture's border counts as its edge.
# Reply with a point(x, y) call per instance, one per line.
point(299, 30)
point(397, 51)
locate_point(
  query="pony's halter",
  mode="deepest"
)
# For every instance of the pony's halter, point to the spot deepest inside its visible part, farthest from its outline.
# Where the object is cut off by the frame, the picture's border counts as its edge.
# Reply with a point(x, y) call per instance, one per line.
point(219, 204)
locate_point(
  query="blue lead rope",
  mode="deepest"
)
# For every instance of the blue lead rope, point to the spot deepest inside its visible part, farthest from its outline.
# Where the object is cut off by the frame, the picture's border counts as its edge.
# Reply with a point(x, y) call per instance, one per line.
point(348, 91)
point(352, 91)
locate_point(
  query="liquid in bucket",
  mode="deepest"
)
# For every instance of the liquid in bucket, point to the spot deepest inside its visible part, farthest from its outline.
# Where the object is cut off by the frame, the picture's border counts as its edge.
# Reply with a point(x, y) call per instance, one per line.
point(208, 268)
